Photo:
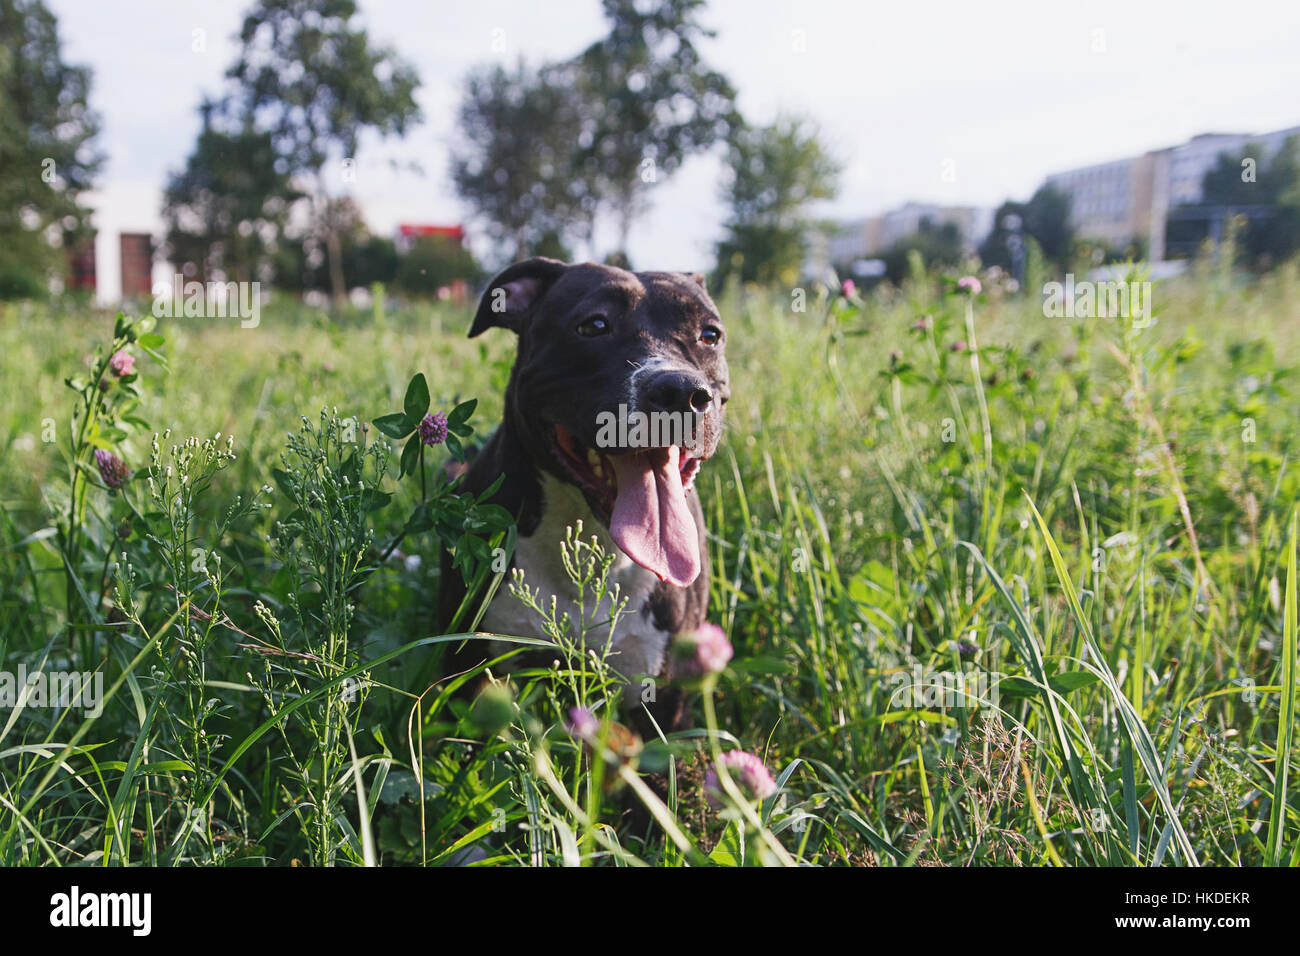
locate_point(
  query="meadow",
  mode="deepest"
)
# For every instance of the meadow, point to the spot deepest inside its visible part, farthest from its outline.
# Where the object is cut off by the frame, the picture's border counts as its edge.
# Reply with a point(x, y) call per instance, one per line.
point(1003, 589)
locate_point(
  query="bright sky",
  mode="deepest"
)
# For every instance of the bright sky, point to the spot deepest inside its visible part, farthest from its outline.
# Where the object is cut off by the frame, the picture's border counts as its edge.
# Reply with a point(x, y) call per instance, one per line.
point(998, 93)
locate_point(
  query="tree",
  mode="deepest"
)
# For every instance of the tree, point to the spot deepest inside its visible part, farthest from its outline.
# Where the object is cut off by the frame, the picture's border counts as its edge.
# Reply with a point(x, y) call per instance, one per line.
point(777, 171)
point(47, 154)
point(1046, 217)
point(224, 211)
point(337, 216)
point(515, 165)
point(1267, 198)
point(1225, 183)
point(1280, 239)
point(433, 262)
point(997, 249)
point(938, 245)
point(312, 80)
point(371, 259)
point(648, 101)
point(300, 264)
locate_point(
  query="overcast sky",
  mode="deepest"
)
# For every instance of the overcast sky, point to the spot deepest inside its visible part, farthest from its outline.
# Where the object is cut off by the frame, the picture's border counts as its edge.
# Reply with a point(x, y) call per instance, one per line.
point(997, 94)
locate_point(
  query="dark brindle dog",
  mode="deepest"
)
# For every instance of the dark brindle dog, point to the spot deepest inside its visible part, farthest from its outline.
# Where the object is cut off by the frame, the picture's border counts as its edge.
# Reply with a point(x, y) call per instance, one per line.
point(591, 339)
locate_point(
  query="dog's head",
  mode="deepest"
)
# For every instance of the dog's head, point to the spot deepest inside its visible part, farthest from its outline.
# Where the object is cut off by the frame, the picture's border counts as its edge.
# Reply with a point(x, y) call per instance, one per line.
point(618, 388)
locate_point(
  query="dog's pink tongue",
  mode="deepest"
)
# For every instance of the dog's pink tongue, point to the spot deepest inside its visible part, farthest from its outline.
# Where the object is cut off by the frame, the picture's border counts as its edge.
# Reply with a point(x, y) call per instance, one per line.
point(651, 521)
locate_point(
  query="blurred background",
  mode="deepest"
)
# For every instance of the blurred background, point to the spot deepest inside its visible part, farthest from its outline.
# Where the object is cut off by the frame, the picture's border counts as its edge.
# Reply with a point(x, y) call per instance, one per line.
point(323, 146)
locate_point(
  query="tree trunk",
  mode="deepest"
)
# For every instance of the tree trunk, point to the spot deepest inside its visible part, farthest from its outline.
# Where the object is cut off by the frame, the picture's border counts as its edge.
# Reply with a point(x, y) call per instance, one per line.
point(335, 250)
point(624, 231)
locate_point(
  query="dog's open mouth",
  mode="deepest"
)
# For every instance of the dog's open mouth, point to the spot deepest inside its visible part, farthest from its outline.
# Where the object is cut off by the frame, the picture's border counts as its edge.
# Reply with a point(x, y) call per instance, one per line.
point(642, 495)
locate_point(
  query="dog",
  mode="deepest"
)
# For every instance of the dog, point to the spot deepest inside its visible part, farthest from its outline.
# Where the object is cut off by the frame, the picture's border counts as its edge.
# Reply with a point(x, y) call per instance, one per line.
point(600, 345)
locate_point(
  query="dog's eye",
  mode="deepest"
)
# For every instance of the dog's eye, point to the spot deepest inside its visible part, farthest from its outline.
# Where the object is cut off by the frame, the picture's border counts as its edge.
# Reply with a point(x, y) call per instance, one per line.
point(711, 335)
point(596, 325)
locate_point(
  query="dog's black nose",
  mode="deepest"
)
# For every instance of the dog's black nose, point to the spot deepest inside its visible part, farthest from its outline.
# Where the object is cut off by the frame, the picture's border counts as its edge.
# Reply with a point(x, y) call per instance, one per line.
point(676, 392)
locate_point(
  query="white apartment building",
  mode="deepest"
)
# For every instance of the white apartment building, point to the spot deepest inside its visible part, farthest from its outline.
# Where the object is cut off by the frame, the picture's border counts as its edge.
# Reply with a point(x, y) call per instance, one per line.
point(1130, 199)
point(1104, 199)
point(1116, 202)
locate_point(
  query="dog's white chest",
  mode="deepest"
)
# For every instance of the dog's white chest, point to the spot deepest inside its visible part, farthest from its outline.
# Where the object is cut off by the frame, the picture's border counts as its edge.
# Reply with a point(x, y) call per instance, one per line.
point(638, 646)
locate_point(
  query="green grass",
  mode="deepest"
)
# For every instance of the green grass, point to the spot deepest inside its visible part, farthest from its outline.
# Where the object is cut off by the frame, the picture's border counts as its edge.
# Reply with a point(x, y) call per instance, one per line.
point(1093, 523)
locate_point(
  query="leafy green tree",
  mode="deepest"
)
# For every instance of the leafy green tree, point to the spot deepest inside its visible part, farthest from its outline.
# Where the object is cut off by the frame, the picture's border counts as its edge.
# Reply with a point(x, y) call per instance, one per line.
point(939, 245)
point(648, 101)
point(515, 164)
point(224, 211)
point(996, 249)
point(1268, 201)
point(371, 259)
point(299, 265)
point(1226, 184)
point(1045, 217)
point(552, 246)
point(48, 157)
point(1281, 237)
point(302, 261)
point(312, 79)
point(433, 262)
point(777, 172)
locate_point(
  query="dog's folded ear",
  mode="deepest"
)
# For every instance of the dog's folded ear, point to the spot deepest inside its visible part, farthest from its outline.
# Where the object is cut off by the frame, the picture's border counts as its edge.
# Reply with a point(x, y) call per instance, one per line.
point(510, 297)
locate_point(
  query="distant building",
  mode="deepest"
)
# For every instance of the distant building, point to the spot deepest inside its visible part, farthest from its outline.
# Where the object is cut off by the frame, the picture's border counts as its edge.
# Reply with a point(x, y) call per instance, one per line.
point(849, 241)
point(407, 233)
point(1121, 202)
point(137, 265)
point(866, 238)
point(1128, 200)
point(81, 266)
point(1103, 198)
point(973, 223)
